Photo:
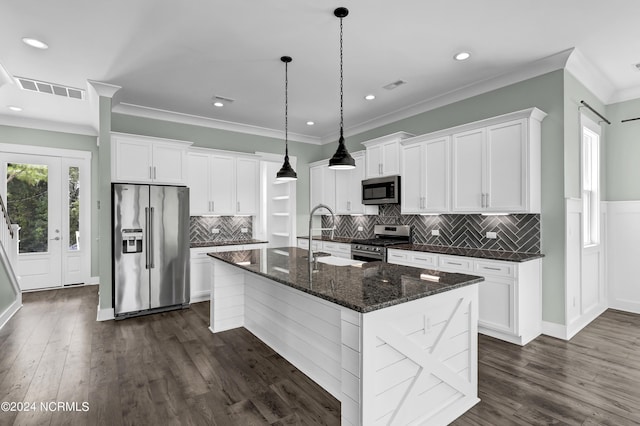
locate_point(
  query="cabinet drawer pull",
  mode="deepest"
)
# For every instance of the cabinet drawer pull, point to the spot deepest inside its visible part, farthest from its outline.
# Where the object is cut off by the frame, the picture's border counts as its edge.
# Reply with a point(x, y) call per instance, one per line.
point(492, 268)
point(397, 255)
point(454, 263)
point(422, 259)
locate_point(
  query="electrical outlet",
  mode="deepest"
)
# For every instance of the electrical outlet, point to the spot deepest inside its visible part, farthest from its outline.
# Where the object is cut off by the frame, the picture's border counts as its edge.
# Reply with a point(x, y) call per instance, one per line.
point(435, 232)
point(492, 235)
point(244, 230)
point(215, 230)
point(360, 228)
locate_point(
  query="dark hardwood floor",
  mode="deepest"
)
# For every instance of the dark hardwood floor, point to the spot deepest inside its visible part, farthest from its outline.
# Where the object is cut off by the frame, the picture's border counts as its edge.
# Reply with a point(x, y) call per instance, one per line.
point(169, 369)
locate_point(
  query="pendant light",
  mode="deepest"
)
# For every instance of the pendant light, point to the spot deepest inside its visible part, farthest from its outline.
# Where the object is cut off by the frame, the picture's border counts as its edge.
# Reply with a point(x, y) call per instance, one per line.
point(286, 173)
point(341, 160)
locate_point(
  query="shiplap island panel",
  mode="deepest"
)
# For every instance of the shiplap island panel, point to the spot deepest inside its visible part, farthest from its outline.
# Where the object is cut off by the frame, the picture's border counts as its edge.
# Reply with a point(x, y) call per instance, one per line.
point(395, 344)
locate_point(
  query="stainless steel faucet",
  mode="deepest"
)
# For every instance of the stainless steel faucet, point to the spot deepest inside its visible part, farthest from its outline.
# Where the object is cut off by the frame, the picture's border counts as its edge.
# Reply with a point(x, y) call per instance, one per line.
point(312, 258)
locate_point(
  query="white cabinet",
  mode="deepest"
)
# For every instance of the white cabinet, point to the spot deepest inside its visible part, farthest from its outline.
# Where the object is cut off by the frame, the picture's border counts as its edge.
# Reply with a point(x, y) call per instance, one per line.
point(143, 159)
point(383, 155)
point(348, 188)
point(200, 282)
point(496, 168)
point(510, 296)
point(425, 175)
point(247, 186)
point(323, 186)
point(303, 243)
point(222, 183)
point(337, 249)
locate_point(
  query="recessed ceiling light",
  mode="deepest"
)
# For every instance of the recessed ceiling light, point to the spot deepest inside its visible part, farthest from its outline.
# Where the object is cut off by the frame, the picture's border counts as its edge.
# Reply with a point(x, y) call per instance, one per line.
point(370, 97)
point(310, 123)
point(14, 108)
point(34, 42)
point(218, 104)
point(462, 56)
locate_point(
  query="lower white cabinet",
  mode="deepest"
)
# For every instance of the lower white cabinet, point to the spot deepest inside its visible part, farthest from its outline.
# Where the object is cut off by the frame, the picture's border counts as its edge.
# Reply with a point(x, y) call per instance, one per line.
point(335, 249)
point(510, 305)
point(201, 268)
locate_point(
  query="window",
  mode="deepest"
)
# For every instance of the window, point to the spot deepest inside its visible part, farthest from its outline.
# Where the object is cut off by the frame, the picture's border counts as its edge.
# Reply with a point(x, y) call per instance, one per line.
point(590, 182)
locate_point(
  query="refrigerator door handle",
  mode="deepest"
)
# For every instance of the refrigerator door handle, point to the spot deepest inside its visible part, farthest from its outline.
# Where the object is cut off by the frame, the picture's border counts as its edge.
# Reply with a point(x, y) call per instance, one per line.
point(146, 239)
point(151, 242)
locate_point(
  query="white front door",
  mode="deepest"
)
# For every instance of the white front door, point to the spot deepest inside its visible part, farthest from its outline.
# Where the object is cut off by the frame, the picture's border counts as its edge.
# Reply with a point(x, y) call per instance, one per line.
point(33, 190)
point(44, 197)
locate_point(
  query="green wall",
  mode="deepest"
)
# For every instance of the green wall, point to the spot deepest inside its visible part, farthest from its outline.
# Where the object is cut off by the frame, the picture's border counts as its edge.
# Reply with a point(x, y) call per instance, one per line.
point(7, 293)
point(60, 140)
point(546, 93)
point(574, 92)
point(206, 137)
point(623, 152)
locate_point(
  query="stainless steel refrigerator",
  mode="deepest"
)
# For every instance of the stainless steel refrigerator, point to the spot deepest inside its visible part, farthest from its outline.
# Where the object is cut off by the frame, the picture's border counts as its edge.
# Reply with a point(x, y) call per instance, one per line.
point(150, 248)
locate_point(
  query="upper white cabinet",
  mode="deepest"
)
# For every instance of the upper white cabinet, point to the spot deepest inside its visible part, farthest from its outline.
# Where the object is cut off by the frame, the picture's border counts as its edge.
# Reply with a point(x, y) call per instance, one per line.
point(383, 155)
point(425, 175)
point(144, 159)
point(348, 190)
point(222, 183)
point(496, 164)
point(323, 186)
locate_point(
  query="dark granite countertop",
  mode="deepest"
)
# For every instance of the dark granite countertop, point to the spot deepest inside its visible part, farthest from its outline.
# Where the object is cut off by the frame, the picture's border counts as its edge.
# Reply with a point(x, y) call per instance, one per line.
point(225, 243)
point(364, 288)
point(344, 240)
point(508, 256)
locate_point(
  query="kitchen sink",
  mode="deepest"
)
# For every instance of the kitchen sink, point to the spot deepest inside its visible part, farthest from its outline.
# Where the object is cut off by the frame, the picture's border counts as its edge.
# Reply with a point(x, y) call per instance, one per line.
point(339, 261)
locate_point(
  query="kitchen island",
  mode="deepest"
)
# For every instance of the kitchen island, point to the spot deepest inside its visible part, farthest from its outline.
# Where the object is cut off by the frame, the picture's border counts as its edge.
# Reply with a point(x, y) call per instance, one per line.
point(395, 344)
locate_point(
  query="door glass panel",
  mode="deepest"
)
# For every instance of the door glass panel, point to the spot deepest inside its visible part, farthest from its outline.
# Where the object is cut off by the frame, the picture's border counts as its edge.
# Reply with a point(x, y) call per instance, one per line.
point(74, 208)
point(28, 205)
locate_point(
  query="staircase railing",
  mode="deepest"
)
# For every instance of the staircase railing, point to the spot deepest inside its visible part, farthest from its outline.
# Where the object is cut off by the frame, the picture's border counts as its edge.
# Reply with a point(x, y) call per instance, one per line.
point(9, 237)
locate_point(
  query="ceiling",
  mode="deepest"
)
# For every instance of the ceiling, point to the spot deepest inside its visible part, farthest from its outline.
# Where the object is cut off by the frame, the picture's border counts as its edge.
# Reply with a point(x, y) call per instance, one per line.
point(176, 56)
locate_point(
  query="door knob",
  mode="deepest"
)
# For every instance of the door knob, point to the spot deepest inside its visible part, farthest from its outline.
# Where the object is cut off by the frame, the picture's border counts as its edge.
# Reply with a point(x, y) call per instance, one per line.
point(55, 239)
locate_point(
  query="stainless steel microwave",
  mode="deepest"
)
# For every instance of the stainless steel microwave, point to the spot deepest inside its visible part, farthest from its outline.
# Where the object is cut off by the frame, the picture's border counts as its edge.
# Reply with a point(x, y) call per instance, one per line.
point(384, 190)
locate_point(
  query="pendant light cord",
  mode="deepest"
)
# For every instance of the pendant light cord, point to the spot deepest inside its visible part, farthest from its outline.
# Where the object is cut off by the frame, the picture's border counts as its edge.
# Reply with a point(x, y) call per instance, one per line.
point(286, 109)
point(341, 84)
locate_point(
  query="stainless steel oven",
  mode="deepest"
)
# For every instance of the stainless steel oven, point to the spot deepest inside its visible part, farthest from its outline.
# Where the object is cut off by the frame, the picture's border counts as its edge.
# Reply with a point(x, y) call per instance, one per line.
point(372, 249)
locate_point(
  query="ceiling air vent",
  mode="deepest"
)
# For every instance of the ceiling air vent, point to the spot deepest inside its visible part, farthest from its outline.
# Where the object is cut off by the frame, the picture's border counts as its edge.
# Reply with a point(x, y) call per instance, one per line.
point(50, 88)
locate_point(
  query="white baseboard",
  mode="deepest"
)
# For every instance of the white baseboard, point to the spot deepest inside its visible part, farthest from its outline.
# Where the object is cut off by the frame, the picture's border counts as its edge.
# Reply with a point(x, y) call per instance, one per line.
point(625, 305)
point(201, 296)
point(559, 331)
point(105, 314)
point(93, 281)
point(11, 310)
point(575, 327)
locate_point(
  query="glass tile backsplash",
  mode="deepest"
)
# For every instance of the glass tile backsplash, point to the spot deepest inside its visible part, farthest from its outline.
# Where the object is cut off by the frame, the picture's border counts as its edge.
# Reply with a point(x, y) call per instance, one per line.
point(229, 227)
point(515, 232)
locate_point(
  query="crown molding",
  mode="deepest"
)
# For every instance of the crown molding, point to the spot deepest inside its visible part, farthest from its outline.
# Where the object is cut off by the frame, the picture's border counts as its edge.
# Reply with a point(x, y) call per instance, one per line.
point(196, 120)
point(104, 89)
point(590, 76)
point(522, 73)
point(52, 126)
point(625, 95)
point(5, 77)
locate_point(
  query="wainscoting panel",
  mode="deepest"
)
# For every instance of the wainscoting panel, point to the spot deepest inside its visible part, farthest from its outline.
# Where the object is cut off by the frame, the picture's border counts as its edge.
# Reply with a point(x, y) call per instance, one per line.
point(623, 252)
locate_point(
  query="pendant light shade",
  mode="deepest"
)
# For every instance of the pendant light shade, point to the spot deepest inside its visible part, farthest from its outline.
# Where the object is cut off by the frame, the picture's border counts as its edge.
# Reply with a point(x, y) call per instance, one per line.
point(341, 160)
point(286, 172)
